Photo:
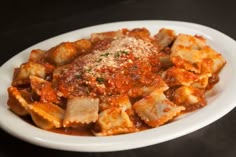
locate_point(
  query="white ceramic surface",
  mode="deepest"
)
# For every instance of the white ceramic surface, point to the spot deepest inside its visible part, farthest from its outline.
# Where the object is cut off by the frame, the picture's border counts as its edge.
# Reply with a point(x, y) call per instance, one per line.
point(220, 100)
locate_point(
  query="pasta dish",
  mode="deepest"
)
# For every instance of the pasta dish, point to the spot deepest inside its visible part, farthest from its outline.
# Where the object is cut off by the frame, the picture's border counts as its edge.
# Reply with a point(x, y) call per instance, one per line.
point(115, 82)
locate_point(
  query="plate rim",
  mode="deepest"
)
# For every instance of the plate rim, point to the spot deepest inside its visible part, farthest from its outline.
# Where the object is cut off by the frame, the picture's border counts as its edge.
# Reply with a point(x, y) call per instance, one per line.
point(105, 146)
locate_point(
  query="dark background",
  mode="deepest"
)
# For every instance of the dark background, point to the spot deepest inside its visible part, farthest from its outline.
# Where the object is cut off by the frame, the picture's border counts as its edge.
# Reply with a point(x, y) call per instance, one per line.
point(25, 23)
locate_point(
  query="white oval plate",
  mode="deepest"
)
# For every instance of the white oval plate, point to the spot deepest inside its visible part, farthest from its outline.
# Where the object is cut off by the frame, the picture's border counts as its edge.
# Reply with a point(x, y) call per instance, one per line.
point(220, 100)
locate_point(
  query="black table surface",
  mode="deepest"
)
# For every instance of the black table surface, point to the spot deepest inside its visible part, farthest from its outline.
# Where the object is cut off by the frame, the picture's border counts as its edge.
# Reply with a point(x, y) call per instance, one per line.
point(26, 23)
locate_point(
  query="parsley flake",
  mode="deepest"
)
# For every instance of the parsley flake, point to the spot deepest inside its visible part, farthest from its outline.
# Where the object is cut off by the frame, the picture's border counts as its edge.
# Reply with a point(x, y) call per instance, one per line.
point(99, 60)
point(119, 53)
point(100, 80)
point(105, 54)
point(78, 76)
point(124, 52)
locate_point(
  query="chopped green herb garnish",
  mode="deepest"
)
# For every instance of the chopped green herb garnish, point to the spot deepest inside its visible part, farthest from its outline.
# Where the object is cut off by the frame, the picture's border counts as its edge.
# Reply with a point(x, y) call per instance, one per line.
point(78, 76)
point(105, 54)
point(124, 52)
point(135, 67)
point(100, 80)
point(99, 60)
point(117, 55)
point(88, 70)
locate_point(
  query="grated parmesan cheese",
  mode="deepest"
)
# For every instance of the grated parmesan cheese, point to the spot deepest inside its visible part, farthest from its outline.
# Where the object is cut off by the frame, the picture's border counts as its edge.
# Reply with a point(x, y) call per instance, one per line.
point(114, 55)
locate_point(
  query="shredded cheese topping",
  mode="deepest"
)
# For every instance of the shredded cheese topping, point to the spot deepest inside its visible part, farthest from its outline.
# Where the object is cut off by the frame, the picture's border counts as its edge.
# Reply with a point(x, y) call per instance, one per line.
point(114, 55)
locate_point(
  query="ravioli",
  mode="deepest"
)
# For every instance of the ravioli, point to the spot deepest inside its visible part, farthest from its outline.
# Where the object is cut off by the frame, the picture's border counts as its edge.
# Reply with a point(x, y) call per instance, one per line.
point(115, 82)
